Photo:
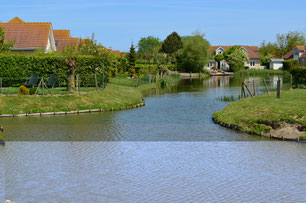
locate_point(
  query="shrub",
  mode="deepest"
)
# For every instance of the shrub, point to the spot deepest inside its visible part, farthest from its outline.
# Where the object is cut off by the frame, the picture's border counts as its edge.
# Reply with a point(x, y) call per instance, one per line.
point(23, 90)
point(289, 64)
point(299, 76)
point(33, 90)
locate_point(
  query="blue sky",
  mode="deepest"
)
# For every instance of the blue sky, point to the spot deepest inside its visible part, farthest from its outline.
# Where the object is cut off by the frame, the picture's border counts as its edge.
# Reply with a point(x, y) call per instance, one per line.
point(116, 23)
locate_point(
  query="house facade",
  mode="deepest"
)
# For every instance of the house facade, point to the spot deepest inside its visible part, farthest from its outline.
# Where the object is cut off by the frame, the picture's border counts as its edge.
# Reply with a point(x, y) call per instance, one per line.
point(29, 36)
point(298, 53)
point(252, 52)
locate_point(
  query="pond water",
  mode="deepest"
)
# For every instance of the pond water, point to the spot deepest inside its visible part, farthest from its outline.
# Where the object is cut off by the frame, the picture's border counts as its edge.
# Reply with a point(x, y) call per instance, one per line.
point(169, 150)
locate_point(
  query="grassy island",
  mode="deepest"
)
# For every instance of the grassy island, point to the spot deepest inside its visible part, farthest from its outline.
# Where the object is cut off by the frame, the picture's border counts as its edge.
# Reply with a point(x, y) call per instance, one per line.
point(267, 115)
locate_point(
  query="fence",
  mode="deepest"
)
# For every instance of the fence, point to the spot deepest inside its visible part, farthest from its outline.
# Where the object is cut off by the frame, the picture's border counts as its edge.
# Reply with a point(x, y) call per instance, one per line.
point(260, 86)
point(52, 84)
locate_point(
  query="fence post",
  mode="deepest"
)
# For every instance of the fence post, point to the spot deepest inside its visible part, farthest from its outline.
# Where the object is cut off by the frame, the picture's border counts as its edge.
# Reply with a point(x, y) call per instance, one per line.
point(242, 90)
point(77, 82)
point(96, 81)
point(265, 85)
point(200, 75)
point(278, 88)
point(254, 88)
point(0, 85)
point(43, 86)
point(290, 81)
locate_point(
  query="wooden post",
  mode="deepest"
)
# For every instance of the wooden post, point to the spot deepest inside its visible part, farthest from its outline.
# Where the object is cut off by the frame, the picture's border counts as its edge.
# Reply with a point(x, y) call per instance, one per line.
point(264, 81)
point(278, 89)
point(254, 88)
point(0, 85)
point(103, 81)
point(290, 81)
point(200, 75)
point(248, 89)
point(242, 90)
point(77, 82)
point(43, 86)
point(96, 81)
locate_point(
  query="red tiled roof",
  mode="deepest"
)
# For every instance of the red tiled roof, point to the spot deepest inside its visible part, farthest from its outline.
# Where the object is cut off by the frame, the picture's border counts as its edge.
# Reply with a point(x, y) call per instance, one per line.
point(64, 43)
point(27, 35)
point(251, 50)
point(301, 47)
point(61, 34)
point(288, 55)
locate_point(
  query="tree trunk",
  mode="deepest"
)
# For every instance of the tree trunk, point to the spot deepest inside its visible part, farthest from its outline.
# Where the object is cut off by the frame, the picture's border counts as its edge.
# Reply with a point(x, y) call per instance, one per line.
point(70, 82)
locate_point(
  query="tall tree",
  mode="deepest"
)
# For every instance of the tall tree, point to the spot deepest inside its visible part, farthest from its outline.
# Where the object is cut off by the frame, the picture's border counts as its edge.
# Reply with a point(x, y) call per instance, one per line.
point(5, 46)
point(195, 53)
point(70, 54)
point(172, 44)
point(132, 60)
point(147, 44)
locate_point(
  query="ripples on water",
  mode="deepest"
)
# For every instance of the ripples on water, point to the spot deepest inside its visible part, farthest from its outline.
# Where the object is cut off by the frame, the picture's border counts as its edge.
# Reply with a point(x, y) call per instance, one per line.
point(167, 157)
point(155, 171)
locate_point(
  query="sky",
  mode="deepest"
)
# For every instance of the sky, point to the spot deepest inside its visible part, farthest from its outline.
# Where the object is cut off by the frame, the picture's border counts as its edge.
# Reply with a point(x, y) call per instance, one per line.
point(118, 23)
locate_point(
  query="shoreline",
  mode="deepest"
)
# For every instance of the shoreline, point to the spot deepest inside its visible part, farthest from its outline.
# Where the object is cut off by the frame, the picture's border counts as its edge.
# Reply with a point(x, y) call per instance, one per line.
point(267, 116)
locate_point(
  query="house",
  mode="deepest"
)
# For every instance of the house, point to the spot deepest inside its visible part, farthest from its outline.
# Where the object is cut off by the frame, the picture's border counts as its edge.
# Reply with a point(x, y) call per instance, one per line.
point(298, 53)
point(252, 51)
point(276, 63)
point(29, 36)
point(63, 39)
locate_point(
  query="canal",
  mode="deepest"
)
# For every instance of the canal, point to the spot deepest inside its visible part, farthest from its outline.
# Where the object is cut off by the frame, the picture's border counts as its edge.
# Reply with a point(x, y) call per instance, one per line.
point(169, 150)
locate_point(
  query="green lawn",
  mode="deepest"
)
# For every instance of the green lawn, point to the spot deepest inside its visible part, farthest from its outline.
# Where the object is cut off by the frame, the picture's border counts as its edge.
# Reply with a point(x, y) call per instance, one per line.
point(55, 91)
point(255, 114)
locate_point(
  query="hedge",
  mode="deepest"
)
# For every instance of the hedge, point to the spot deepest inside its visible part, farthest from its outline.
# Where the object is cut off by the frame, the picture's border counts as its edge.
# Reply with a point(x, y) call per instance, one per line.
point(299, 76)
point(14, 69)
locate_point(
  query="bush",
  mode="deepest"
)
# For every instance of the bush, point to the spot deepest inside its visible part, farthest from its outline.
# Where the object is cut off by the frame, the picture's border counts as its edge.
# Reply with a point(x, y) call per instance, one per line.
point(23, 90)
point(299, 76)
point(289, 64)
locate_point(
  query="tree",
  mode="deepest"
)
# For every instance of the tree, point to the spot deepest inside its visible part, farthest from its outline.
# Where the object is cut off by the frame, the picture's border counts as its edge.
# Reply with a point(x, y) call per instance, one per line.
point(132, 60)
point(172, 44)
point(89, 46)
point(219, 58)
point(195, 53)
point(147, 44)
point(5, 46)
point(236, 56)
point(70, 54)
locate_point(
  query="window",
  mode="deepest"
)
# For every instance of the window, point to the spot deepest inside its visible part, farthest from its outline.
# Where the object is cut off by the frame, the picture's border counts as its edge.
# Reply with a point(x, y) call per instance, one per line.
point(252, 63)
point(210, 64)
point(56, 43)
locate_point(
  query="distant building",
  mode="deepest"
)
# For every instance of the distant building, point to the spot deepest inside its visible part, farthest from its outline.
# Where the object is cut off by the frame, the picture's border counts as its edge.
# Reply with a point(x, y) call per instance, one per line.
point(252, 51)
point(276, 64)
point(63, 39)
point(298, 53)
point(29, 36)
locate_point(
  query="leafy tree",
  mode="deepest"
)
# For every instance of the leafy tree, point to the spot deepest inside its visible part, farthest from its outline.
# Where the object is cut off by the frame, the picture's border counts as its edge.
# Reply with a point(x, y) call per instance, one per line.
point(236, 56)
point(195, 53)
point(132, 60)
point(146, 45)
point(5, 46)
point(219, 58)
point(89, 46)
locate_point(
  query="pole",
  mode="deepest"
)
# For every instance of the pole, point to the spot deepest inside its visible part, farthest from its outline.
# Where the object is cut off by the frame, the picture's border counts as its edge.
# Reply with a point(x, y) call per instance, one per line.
point(254, 88)
point(242, 90)
point(43, 86)
point(266, 86)
point(290, 81)
point(77, 82)
point(278, 88)
point(0, 85)
point(248, 89)
point(200, 75)
point(96, 81)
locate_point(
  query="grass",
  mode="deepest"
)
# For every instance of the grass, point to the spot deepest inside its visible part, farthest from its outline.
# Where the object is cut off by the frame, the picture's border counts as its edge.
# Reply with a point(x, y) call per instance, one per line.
point(228, 98)
point(262, 72)
point(302, 138)
point(256, 113)
point(54, 91)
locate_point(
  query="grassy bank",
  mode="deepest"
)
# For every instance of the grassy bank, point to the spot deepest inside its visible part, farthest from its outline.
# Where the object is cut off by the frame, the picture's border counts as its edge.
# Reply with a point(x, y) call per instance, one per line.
point(266, 113)
point(263, 72)
point(114, 97)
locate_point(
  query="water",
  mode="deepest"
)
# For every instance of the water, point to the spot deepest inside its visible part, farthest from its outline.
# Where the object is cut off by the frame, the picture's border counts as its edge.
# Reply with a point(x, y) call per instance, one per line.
point(168, 151)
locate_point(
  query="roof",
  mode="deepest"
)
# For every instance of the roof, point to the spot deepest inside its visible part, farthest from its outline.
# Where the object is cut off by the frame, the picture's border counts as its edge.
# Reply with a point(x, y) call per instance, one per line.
point(27, 35)
point(301, 47)
point(251, 50)
point(288, 55)
point(277, 60)
point(303, 56)
point(61, 33)
point(63, 43)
